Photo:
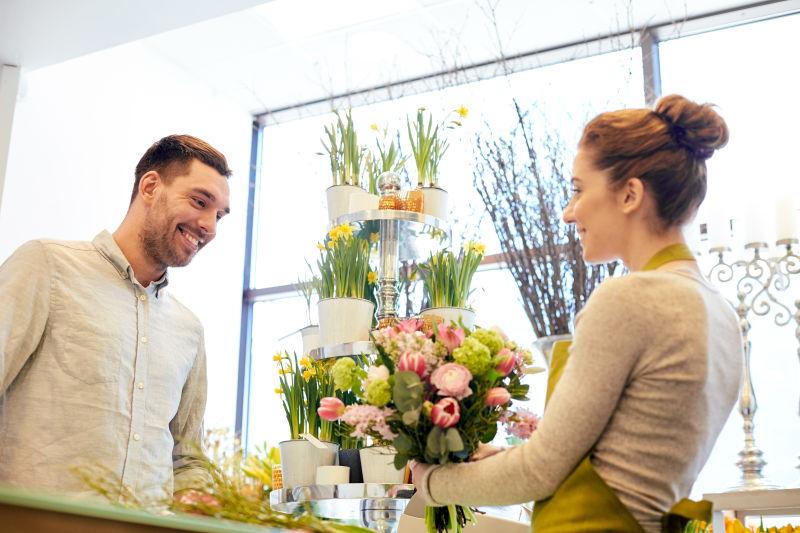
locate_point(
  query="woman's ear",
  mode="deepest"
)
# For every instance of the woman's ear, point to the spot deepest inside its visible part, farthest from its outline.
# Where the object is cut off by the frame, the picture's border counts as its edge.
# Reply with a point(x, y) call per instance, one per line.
point(631, 195)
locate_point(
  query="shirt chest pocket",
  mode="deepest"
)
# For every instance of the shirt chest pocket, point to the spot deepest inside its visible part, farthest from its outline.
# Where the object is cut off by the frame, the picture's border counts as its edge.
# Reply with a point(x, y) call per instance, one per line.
point(90, 352)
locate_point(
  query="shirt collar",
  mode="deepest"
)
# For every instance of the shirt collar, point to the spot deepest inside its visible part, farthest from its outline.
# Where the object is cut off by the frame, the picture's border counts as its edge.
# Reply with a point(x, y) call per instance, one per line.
point(105, 244)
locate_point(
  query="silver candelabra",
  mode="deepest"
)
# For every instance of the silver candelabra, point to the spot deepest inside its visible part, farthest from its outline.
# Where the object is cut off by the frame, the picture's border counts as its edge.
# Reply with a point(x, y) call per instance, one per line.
point(758, 280)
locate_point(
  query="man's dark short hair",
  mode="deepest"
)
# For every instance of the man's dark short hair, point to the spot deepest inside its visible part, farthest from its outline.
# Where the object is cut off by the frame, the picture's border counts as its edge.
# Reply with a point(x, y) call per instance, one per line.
point(173, 154)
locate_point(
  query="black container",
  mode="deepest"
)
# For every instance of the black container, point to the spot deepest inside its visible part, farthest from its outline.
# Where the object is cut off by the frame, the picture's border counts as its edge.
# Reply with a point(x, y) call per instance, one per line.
point(351, 458)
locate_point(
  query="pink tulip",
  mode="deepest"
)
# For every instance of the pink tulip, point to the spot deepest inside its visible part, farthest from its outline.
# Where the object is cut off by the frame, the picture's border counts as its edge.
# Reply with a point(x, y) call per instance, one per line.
point(445, 413)
point(506, 361)
point(452, 379)
point(412, 362)
point(450, 337)
point(409, 325)
point(330, 409)
point(497, 396)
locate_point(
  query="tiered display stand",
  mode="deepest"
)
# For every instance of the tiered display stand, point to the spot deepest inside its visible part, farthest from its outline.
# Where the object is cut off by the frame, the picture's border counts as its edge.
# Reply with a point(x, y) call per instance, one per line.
point(402, 236)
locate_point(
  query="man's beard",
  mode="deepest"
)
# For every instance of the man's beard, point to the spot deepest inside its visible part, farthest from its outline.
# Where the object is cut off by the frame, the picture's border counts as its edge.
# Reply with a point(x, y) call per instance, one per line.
point(158, 241)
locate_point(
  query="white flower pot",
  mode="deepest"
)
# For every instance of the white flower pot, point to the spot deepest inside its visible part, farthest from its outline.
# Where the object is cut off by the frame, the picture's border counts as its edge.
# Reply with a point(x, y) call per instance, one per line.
point(363, 201)
point(300, 459)
point(377, 465)
point(452, 314)
point(344, 320)
point(339, 200)
point(311, 339)
point(435, 202)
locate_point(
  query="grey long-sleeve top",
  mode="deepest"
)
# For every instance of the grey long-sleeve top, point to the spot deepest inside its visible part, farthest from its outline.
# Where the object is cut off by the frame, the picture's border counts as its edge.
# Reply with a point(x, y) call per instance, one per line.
point(653, 373)
point(96, 370)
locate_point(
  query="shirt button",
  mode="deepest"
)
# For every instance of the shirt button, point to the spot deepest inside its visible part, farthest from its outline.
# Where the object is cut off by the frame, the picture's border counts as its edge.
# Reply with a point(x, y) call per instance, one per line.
point(144, 339)
point(140, 385)
point(142, 297)
point(136, 437)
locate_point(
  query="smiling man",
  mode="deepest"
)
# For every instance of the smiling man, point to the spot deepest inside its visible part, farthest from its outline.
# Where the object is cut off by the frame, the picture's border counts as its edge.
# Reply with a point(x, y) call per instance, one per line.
point(99, 364)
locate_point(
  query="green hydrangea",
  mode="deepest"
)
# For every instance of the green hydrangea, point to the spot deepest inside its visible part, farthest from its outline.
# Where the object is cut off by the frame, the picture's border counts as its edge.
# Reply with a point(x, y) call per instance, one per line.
point(379, 392)
point(490, 339)
point(474, 355)
point(343, 372)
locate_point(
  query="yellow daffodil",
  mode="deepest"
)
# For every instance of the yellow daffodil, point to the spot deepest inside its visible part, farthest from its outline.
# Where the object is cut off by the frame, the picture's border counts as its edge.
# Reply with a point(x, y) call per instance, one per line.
point(372, 277)
point(462, 112)
point(373, 237)
point(331, 245)
point(320, 246)
point(277, 357)
point(479, 247)
point(278, 390)
point(282, 371)
point(333, 234)
point(306, 375)
point(305, 361)
point(346, 231)
point(373, 127)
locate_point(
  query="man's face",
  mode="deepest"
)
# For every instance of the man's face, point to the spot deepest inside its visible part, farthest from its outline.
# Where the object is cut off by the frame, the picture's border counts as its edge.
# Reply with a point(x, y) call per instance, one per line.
point(184, 214)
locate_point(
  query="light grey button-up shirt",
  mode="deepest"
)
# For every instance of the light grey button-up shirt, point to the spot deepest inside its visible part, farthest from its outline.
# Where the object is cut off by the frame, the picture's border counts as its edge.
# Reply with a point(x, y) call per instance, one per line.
point(96, 370)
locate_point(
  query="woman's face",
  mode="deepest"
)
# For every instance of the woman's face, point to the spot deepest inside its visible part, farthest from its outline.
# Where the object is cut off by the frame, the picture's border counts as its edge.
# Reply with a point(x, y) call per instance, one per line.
point(596, 210)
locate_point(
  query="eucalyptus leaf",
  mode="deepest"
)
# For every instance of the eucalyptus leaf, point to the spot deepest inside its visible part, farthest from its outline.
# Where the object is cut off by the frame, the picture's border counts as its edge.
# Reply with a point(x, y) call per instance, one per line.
point(408, 391)
point(453, 439)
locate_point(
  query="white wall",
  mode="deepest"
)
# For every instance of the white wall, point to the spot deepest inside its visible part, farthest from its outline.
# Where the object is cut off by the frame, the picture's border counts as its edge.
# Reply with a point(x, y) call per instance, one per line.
point(80, 128)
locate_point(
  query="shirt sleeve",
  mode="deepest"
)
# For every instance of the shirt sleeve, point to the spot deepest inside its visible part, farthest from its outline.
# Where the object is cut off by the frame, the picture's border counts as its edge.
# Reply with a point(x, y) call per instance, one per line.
point(609, 337)
point(25, 280)
point(187, 428)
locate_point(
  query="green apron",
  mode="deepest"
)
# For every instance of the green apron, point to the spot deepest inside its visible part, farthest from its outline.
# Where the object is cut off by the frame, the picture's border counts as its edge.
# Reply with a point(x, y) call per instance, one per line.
point(583, 501)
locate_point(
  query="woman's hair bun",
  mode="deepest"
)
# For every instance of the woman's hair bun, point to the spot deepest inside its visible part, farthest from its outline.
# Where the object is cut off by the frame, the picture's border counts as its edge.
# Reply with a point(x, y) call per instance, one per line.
point(696, 127)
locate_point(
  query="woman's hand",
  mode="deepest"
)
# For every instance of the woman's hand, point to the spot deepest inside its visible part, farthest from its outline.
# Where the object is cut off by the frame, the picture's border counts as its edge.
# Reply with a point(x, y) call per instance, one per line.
point(484, 451)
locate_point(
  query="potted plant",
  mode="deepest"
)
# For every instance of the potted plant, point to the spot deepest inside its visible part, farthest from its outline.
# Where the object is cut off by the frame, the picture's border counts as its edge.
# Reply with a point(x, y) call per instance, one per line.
point(345, 315)
point(446, 281)
point(303, 384)
point(346, 158)
point(523, 180)
point(428, 147)
point(309, 288)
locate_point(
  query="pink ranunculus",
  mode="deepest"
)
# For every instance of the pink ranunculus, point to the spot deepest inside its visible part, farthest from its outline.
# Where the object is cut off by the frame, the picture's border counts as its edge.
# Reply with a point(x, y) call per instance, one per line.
point(497, 396)
point(452, 379)
point(506, 361)
point(445, 413)
point(330, 409)
point(412, 362)
point(450, 337)
point(409, 325)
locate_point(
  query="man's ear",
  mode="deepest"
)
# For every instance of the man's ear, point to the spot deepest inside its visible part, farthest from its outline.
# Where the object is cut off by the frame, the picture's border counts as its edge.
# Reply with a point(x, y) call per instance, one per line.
point(631, 195)
point(148, 185)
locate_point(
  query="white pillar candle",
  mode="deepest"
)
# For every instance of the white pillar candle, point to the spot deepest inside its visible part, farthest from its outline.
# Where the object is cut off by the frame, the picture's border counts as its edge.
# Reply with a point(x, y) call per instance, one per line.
point(785, 216)
point(757, 219)
point(332, 475)
point(718, 225)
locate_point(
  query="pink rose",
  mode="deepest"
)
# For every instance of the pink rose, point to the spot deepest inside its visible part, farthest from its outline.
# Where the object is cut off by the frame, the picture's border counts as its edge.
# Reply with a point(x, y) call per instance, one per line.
point(409, 325)
point(497, 396)
point(445, 413)
point(506, 361)
point(330, 409)
point(450, 337)
point(412, 362)
point(453, 380)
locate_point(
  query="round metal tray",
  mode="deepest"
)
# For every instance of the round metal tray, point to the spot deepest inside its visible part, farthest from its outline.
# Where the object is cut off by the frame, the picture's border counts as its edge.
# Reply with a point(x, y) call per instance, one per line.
point(393, 214)
point(373, 505)
point(342, 350)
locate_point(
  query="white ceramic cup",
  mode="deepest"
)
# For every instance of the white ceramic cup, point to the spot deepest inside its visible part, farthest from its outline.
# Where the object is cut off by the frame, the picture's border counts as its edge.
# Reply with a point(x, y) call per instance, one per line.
point(332, 475)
